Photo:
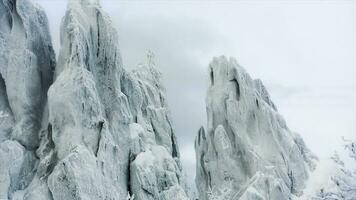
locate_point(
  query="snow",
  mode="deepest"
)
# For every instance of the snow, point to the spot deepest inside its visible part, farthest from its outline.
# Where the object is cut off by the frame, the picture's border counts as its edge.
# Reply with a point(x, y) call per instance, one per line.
point(245, 137)
point(333, 178)
point(318, 178)
point(83, 127)
point(100, 124)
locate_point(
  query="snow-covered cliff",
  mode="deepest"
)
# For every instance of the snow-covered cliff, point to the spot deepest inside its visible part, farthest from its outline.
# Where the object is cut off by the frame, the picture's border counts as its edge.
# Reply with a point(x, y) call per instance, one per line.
point(97, 132)
point(83, 127)
point(247, 151)
point(27, 63)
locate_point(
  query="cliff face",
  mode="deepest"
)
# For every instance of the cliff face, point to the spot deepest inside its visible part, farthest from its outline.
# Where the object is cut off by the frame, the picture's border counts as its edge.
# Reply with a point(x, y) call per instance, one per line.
point(100, 133)
point(247, 152)
point(27, 63)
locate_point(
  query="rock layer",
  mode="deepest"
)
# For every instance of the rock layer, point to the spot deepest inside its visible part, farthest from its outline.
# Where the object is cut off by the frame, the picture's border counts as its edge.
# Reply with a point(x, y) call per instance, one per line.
point(101, 132)
point(247, 152)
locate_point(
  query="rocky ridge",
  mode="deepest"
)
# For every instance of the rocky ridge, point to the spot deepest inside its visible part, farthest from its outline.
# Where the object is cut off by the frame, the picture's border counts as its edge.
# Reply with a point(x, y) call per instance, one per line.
point(247, 151)
point(84, 128)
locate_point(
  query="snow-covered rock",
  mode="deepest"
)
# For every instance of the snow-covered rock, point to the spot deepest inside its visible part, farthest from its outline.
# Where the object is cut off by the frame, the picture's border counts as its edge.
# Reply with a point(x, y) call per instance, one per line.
point(27, 63)
point(106, 120)
point(155, 170)
point(85, 128)
point(17, 168)
point(247, 152)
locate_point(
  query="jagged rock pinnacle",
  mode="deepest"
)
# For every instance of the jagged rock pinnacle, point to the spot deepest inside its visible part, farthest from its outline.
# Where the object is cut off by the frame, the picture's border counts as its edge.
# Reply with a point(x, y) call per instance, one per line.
point(247, 151)
point(101, 133)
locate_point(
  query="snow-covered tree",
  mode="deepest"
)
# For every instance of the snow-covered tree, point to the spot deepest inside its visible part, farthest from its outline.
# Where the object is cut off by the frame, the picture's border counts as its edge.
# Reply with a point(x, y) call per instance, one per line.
point(342, 184)
point(350, 146)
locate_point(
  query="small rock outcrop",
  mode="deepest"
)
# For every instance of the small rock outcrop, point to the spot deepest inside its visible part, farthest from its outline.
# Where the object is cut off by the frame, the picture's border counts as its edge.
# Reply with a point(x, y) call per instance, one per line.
point(247, 151)
point(82, 127)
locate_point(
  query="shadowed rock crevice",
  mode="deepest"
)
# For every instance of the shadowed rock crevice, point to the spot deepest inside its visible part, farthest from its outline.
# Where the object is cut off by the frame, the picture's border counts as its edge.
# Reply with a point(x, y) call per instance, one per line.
point(211, 77)
point(6, 116)
point(237, 88)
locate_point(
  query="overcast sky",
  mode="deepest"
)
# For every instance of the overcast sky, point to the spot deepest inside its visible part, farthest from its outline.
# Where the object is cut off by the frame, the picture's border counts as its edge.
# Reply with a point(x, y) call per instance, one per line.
point(304, 51)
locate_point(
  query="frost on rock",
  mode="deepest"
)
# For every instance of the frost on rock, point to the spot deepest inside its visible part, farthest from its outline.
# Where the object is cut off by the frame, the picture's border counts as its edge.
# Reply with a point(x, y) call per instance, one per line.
point(100, 126)
point(17, 168)
point(247, 152)
point(155, 169)
point(27, 62)
point(105, 120)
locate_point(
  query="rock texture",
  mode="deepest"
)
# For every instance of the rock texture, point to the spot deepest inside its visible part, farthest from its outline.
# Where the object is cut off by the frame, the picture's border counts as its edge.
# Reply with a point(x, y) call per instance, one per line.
point(97, 132)
point(27, 64)
point(247, 152)
point(155, 168)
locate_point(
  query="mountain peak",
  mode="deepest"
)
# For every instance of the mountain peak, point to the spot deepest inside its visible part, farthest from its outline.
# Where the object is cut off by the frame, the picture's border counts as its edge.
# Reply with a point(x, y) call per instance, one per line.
point(248, 150)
